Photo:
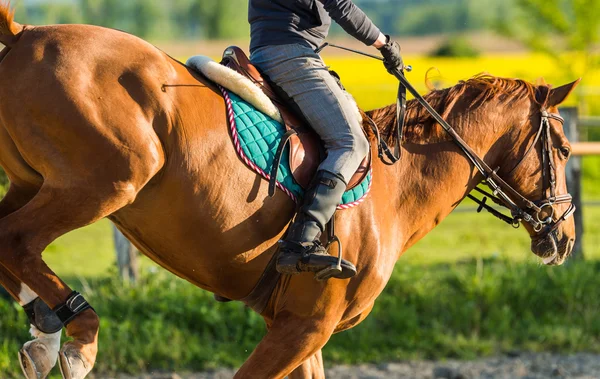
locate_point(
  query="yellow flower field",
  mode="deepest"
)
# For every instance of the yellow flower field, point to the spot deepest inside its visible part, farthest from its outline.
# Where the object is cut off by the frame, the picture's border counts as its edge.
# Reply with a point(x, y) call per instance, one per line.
point(373, 87)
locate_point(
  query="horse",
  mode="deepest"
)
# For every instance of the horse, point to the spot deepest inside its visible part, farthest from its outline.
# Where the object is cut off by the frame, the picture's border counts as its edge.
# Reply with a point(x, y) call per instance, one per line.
point(96, 123)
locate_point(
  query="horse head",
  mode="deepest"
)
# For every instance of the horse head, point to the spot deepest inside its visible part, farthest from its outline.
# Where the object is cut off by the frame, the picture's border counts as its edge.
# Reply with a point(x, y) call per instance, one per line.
point(535, 167)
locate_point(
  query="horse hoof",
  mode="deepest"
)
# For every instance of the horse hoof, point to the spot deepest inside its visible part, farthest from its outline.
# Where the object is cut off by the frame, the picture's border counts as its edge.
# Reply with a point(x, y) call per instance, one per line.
point(72, 363)
point(35, 361)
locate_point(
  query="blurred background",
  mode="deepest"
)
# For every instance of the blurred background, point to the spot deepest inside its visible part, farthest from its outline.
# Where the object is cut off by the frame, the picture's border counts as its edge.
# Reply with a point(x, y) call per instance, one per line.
point(470, 289)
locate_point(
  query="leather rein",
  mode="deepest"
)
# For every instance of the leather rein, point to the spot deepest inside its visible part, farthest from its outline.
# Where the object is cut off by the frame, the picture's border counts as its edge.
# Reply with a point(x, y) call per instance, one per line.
point(539, 214)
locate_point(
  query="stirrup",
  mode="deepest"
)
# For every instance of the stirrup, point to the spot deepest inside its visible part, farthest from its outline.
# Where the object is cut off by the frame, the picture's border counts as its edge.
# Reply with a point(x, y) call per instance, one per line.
point(315, 258)
point(333, 271)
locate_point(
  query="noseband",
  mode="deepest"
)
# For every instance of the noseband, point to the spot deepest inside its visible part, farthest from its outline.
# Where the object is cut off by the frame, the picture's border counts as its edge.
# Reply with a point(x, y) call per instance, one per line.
point(521, 208)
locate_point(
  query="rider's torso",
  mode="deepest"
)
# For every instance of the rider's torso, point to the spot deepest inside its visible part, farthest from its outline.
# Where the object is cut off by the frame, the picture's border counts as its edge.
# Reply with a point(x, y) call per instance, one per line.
point(281, 22)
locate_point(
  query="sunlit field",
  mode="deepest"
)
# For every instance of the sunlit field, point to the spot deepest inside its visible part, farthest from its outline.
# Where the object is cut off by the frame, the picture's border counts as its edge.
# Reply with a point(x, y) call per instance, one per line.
point(373, 87)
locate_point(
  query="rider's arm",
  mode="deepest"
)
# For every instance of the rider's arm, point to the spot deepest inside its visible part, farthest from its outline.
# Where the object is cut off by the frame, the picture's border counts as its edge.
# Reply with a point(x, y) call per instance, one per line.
point(354, 21)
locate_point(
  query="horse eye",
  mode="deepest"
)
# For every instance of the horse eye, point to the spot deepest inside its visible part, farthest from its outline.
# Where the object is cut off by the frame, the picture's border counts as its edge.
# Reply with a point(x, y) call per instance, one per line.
point(565, 152)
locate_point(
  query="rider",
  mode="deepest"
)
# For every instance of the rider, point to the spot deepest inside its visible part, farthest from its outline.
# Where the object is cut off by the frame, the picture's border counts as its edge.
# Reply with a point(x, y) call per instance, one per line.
point(284, 35)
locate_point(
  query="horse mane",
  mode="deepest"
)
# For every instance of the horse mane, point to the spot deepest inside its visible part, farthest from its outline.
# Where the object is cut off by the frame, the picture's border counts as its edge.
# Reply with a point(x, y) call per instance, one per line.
point(9, 29)
point(473, 93)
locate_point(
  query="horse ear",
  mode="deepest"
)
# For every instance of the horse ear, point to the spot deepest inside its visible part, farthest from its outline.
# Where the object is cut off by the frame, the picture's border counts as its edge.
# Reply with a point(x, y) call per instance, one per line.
point(559, 95)
point(542, 94)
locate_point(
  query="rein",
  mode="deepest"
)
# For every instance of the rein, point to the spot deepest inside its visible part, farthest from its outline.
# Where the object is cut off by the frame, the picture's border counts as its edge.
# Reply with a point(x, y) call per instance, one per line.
point(521, 209)
point(383, 151)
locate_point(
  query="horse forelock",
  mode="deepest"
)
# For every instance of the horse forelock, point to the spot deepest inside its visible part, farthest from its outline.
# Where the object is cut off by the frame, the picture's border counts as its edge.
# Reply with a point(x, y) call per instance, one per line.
point(472, 93)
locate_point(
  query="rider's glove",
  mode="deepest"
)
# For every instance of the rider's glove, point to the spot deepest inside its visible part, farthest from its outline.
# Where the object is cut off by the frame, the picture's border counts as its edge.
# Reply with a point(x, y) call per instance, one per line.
point(392, 60)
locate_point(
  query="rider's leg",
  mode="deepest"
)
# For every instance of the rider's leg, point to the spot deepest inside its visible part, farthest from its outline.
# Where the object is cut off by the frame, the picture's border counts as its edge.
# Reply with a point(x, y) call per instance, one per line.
point(301, 76)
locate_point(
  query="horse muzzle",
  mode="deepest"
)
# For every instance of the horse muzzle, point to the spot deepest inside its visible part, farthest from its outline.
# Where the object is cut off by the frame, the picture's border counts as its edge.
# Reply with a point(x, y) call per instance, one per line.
point(551, 249)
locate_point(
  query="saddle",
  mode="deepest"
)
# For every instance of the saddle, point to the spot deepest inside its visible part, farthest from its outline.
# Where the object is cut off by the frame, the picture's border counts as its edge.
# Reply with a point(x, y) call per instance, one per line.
point(306, 148)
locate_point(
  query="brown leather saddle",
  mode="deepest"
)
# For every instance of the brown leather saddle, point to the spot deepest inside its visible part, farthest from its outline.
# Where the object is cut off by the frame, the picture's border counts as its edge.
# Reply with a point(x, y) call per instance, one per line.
point(306, 148)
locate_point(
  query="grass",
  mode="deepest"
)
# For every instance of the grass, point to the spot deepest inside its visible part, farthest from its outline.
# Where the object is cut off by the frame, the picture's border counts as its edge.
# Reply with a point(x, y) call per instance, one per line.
point(85, 253)
point(477, 307)
point(591, 178)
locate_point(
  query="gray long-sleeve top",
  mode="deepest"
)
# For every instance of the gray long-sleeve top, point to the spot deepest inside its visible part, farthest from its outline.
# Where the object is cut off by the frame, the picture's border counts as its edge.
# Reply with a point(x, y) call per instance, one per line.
point(282, 22)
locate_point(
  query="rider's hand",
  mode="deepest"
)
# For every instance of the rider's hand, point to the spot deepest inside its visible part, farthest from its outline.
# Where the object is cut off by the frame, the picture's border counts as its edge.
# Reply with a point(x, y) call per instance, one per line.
point(392, 59)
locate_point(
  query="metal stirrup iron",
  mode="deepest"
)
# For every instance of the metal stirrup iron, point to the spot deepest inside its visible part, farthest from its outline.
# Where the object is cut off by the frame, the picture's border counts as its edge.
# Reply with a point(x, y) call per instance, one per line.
point(336, 269)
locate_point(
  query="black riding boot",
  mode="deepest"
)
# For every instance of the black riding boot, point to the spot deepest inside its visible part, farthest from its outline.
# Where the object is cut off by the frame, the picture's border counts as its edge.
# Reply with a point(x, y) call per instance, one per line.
point(301, 251)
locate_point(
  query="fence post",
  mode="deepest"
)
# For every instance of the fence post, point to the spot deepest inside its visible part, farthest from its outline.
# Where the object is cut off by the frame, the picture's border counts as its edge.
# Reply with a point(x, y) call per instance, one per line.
point(573, 172)
point(127, 257)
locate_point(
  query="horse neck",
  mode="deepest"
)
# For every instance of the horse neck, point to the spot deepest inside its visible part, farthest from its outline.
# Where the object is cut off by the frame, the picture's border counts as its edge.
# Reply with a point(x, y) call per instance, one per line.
point(434, 176)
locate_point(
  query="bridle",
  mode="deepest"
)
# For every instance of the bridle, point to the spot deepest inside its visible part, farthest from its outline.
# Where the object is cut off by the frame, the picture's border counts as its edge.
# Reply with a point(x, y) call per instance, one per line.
point(503, 194)
point(523, 209)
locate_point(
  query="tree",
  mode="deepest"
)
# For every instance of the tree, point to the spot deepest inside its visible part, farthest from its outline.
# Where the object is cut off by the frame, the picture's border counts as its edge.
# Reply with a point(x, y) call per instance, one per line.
point(566, 30)
point(221, 19)
point(151, 19)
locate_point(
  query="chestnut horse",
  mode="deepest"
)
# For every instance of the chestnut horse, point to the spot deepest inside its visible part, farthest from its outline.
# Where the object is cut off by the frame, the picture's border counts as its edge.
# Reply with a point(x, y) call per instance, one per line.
point(97, 123)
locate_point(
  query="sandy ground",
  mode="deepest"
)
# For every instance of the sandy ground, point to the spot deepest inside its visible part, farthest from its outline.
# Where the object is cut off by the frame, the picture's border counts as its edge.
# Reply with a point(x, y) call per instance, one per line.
point(530, 366)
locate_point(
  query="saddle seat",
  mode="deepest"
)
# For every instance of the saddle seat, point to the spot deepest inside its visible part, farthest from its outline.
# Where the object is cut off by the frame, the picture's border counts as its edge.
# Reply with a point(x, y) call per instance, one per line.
point(306, 148)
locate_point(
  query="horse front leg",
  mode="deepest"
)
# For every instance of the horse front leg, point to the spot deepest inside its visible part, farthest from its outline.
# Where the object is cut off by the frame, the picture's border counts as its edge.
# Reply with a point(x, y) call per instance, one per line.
point(312, 368)
point(289, 342)
point(39, 356)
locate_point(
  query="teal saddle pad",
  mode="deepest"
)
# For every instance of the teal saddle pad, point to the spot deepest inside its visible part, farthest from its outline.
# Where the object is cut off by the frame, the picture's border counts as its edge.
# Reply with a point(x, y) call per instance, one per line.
point(256, 138)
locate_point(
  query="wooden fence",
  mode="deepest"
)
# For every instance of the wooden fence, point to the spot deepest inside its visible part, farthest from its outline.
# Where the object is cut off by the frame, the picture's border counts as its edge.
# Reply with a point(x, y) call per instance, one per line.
point(580, 149)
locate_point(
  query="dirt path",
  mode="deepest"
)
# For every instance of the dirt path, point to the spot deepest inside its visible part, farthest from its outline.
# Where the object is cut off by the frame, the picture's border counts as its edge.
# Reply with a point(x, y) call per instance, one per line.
point(529, 366)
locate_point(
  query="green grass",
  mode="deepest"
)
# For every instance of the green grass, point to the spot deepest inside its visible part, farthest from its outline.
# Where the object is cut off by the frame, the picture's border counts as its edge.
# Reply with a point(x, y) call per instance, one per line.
point(87, 252)
point(464, 236)
point(478, 307)
point(591, 178)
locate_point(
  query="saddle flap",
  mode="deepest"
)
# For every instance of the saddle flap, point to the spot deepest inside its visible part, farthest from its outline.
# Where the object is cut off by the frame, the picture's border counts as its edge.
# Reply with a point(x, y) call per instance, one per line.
point(305, 157)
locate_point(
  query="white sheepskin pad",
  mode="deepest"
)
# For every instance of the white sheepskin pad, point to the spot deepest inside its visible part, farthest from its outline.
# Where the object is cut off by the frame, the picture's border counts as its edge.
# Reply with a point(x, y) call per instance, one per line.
point(236, 83)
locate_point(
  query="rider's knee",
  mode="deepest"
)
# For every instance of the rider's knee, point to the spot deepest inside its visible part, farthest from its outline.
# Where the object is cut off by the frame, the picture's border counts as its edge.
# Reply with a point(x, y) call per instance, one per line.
point(361, 146)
